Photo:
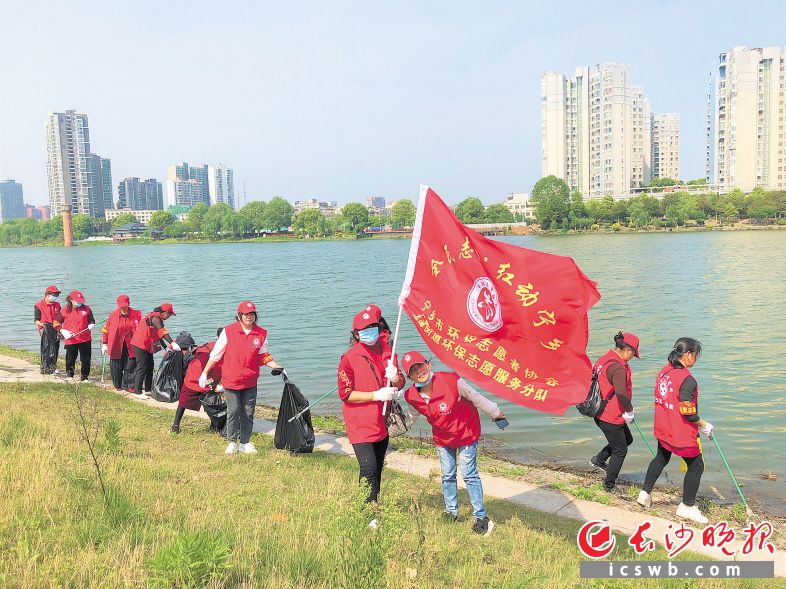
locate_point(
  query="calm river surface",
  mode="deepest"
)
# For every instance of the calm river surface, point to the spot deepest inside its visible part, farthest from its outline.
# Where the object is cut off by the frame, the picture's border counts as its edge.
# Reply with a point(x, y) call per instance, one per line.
point(726, 289)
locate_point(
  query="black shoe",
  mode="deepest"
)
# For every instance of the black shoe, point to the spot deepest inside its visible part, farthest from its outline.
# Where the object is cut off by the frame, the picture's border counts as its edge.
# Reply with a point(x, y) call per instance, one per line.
point(449, 517)
point(483, 526)
point(597, 463)
point(611, 490)
point(175, 429)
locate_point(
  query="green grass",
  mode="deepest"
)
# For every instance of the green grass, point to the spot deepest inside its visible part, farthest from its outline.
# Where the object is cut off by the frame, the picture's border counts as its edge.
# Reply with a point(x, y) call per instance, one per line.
point(179, 513)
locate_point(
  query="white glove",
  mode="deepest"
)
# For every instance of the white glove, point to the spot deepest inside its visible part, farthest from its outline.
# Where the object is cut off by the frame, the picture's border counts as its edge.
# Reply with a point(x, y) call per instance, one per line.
point(202, 381)
point(220, 388)
point(66, 334)
point(707, 429)
point(91, 326)
point(384, 394)
point(104, 348)
point(391, 372)
point(628, 416)
point(173, 346)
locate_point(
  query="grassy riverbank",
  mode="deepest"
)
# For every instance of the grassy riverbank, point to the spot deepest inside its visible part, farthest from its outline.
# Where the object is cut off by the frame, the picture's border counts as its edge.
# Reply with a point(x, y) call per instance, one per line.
point(175, 511)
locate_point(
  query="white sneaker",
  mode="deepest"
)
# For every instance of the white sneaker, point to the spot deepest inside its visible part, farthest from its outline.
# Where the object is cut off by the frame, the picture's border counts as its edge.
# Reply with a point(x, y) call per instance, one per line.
point(373, 524)
point(231, 448)
point(691, 513)
point(248, 448)
point(644, 499)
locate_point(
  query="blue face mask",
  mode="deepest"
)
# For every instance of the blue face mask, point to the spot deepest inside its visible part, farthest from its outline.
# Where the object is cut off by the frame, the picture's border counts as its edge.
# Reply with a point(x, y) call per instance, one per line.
point(51, 298)
point(428, 382)
point(77, 305)
point(369, 336)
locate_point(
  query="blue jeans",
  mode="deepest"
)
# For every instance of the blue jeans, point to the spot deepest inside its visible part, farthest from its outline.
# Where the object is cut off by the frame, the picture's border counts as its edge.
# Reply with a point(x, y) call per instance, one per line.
point(468, 464)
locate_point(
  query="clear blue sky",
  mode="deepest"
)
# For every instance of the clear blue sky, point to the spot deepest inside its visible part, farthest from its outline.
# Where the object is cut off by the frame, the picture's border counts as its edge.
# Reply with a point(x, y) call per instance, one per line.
point(341, 100)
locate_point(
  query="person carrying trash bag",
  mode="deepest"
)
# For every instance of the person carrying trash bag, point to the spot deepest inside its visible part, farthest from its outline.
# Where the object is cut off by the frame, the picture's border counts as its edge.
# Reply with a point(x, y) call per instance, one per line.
point(295, 434)
point(362, 373)
point(190, 391)
point(48, 317)
point(116, 341)
point(677, 427)
point(451, 407)
point(77, 334)
point(149, 337)
point(243, 347)
point(616, 387)
point(169, 376)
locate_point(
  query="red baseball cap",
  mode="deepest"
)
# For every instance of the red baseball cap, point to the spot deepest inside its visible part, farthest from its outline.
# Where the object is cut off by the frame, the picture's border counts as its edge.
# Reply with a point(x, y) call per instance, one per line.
point(77, 296)
point(364, 319)
point(375, 311)
point(123, 301)
point(246, 307)
point(52, 288)
point(410, 359)
point(167, 308)
point(632, 340)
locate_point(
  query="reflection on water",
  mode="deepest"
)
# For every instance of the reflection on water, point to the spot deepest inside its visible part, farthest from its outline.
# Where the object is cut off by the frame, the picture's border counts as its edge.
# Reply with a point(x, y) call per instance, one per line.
point(725, 289)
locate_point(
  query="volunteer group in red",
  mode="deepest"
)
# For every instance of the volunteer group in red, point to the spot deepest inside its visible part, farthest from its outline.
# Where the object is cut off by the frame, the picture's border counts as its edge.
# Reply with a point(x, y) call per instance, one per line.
point(369, 382)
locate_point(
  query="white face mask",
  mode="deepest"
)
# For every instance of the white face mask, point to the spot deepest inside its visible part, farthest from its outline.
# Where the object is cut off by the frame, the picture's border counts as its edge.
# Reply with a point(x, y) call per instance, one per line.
point(51, 298)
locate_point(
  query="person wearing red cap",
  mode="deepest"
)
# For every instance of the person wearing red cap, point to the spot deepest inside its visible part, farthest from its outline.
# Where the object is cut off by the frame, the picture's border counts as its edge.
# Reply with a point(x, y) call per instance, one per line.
point(451, 407)
point(149, 337)
point(190, 390)
point(242, 349)
point(677, 427)
point(368, 377)
point(48, 317)
point(116, 341)
point(77, 334)
point(616, 386)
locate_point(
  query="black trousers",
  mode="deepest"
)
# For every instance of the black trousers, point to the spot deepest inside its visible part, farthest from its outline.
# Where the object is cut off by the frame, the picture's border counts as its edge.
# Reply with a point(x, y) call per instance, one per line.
point(371, 457)
point(118, 367)
point(690, 485)
point(619, 438)
point(143, 374)
point(85, 352)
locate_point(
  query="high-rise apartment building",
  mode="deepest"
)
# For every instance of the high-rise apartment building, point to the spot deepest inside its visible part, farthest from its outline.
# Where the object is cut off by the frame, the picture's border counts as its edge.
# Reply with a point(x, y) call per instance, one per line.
point(666, 146)
point(12, 201)
point(153, 194)
point(749, 119)
point(221, 185)
point(140, 195)
point(595, 130)
point(102, 180)
point(181, 189)
point(69, 165)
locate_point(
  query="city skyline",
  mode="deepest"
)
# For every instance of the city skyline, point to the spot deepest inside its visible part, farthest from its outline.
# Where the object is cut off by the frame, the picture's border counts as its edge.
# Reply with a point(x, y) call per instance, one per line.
point(351, 122)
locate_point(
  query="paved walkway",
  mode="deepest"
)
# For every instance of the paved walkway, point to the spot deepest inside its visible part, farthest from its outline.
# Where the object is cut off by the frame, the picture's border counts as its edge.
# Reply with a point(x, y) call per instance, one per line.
point(521, 493)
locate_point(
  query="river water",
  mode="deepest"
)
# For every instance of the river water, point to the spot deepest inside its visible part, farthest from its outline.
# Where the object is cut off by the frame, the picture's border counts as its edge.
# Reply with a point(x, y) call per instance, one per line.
point(726, 289)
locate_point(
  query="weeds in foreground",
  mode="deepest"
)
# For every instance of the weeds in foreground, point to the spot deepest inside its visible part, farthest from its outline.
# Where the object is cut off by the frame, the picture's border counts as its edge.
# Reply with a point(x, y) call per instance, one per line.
point(192, 560)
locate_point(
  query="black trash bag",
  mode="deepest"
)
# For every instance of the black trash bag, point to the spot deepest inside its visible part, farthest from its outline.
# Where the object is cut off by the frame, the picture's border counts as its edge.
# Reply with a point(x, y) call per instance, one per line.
point(169, 378)
point(216, 409)
point(50, 348)
point(297, 435)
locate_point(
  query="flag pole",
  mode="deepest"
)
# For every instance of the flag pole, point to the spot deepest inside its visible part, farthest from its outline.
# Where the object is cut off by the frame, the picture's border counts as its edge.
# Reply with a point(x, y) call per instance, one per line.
point(393, 353)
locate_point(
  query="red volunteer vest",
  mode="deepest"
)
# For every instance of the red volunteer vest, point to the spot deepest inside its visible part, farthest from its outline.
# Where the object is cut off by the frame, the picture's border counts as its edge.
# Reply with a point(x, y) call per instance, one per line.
point(455, 422)
point(50, 313)
point(118, 330)
point(673, 431)
point(195, 368)
point(613, 411)
point(75, 321)
point(146, 334)
point(363, 369)
point(240, 364)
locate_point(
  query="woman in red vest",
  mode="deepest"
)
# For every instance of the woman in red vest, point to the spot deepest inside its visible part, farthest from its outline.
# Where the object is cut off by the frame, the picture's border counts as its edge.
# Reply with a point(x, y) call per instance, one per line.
point(677, 427)
point(116, 340)
point(242, 349)
point(614, 380)
point(363, 372)
point(48, 318)
point(149, 337)
point(451, 407)
point(190, 390)
point(77, 332)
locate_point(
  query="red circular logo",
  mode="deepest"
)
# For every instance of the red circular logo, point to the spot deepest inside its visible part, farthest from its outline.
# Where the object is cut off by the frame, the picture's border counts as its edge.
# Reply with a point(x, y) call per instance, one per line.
point(595, 539)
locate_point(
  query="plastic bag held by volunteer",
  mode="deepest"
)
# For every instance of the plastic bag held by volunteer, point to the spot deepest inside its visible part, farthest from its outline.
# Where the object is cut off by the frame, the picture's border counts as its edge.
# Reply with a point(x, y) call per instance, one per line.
point(296, 436)
point(169, 378)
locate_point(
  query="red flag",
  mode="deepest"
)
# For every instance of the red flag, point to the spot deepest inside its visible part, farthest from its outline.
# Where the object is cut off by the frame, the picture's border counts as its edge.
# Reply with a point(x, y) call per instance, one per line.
point(511, 319)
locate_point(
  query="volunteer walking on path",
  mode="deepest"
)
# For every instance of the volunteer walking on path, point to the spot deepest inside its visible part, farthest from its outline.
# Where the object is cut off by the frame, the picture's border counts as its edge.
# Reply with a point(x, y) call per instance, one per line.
point(77, 333)
point(149, 337)
point(362, 374)
point(48, 318)
point(116, 341)
point(451, 407)
point(243, 348)
point(616, 386)
point(677, 426)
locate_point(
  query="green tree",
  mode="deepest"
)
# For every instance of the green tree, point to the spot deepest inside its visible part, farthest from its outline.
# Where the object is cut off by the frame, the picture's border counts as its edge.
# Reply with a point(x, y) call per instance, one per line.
point(637, 213)
point(356, 215)
point(82, 226)
point(658, 182)
point(497, 213)
point(730, 212)
point(470, 210)
point(402, 214)
point(551, 199)
point(123, 219)
point(577, 211)
point(378, 221)
point(310, 222)
point(217, 219)
point(161, 220)
point(253, 214)
point(277, 214)
point(196, 214)
point(177, 229)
